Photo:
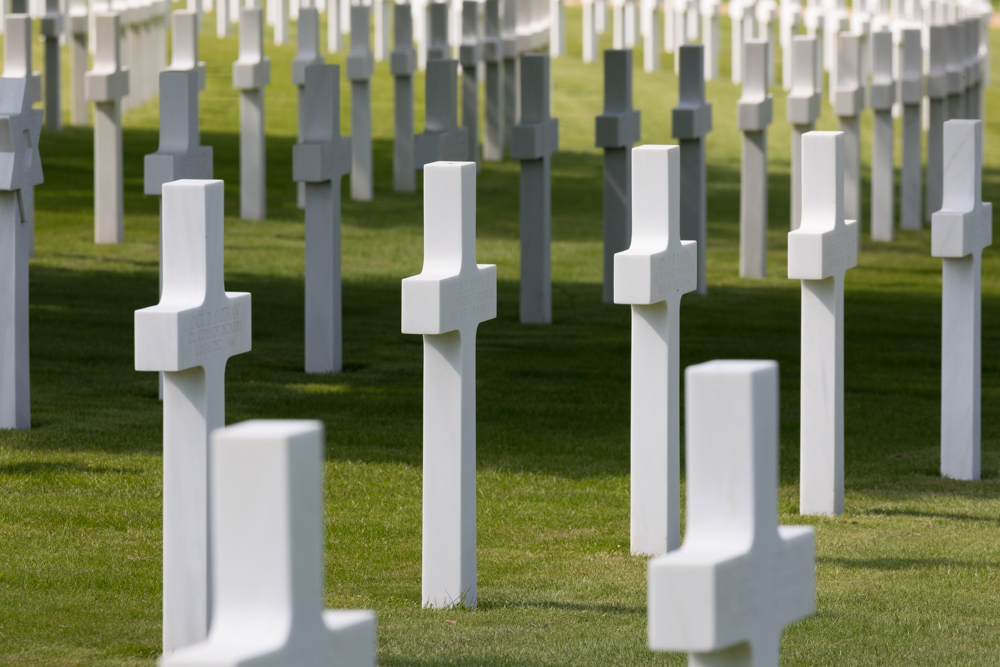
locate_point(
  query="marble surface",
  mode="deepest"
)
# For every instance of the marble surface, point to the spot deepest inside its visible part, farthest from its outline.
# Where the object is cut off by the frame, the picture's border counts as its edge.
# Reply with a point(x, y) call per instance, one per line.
point(754, 111)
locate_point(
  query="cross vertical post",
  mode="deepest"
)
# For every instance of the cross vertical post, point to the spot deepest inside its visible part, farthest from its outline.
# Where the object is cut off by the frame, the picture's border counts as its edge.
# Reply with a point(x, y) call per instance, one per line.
point(360, 66)
point(403, 62)
point(437, 48)
point(710, 37)
point(306, 54)
point(590, 37)
point(381, 9)
point(534, 141)
point(883, 96)
point(319, 161)
point(960, 231)
point(446, 303)
point(692, 121)
point(493, 55)
point(955, 72)
point(937, 94)
point(615, 131)
point(754, 113)
point(511, 71)
point(106, 85)
point(652, 276)
point(911, 93)
point(725, 596)
point(51, 30)
point(848, 103)
point(78, 18)
point(442, 138)
point(185, 46)
point(801, 111)
point(251, 74)
point(820, 251)
point(20, 131)
point(651, 51)
point(190, 336)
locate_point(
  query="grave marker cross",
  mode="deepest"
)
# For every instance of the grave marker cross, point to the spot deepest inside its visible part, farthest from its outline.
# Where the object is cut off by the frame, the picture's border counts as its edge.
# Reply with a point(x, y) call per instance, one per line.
point(911, 95)
point(801, 110)
point(883, 96)
point(470, 53)
point(652, 275)
point(937, 102)
point(106, 85)
point(848, 103)
point(190, 336)
point(959, 233)
point(360, 66)
point(185, 45)
point(251, 73)
point(692, 121)
point(403, 62)
point(534, 141)
point(20, 167)
point(493, 55)
point(51, 29)
point(267, 555)
point(77, 28)
point(819, 253)
point(446, 303)
point(442, 138)
point(754, 112)
point(739, 577)
point(615, 131)
point(306, 54)
point(319, 161)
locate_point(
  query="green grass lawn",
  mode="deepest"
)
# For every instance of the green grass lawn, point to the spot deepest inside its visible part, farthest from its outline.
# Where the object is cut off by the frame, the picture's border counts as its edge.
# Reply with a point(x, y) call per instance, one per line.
point(909, 575)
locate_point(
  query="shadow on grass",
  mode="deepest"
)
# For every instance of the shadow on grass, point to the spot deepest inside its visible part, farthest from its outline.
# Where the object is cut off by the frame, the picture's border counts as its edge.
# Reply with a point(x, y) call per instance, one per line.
point(494, 603)
point(956, 516)
point(899, 564)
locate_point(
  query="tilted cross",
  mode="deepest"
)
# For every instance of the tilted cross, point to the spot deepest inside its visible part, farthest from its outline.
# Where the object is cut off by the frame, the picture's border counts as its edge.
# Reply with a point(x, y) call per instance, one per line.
point(959, 233)
point(446, 303)
point(190, 336)
point(652, 275)
point(739, 578)
point(267, 555)
point(820, 251)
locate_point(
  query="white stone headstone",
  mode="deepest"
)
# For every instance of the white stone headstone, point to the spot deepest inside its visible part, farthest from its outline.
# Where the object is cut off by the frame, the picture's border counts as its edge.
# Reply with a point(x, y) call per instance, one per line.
point(848, 104)
point(960, 231)
point(754, 113)
point(801, 110)
point(319, 161)
point(955, 72)
point(360, 67)
point(267, 556)
point(77, 29)
point(442, 138)
point(180, 154)
point(469, 56)
point(590, 36)
point(190, 336)
point(736, 14)
point(615, 131)
point(710, 37)
point(185, 45)
point(652, 276)
point(534, 141)
point(251, 73)
point(306, 53)
point(20, 167)
point(937, 102)
point(725, 596)
point(651, 50)
point(334, 36)
point(380, 10)
point(446, 303)
point(820, 251)
point(911, 94)
point(51, 29)
point(692, 121)
point(437, 18)
point(557, 28)
point(789, 23)
point(403, 63)
point(106, 84)
point(493, 55)
point(511, 71)
point(883, 96)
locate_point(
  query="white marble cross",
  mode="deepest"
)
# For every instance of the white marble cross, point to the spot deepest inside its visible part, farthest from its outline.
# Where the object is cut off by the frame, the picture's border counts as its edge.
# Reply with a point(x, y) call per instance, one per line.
point(190, 336)
point(651, 38)
point(615, 131)
point(955, 71)
point(403, 62)
point(380, 10)
point(307, 53)
point(470, 54)
point(848, 104)
point(533, 142)
point(180, 154)
point(739, 578)
point(360, 66)
point(17, 65)
point(911, 96)
point(590, 38)
point(20, 167)
point(185, 45)
point(437, 48)
point(789, 23)
point(710, 37)
point(801, 110)
point(754, 113)
point(883, 96)
point(652, 276)
point(819, 253)
point(511, 71)
point(77, 29)
point(493, 55)
point(319, 161)
point(442, 138)
point(692, 121)
point(446, 303)
point(51, 28)
point(106, 84)
point(960, 231)
point(267, 555)
point(251, 73)
point(937, 103)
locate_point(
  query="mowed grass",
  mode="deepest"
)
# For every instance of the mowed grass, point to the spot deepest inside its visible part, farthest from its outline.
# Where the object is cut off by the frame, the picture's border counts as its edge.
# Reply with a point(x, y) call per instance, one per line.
point(908, 575)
